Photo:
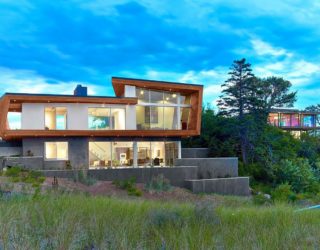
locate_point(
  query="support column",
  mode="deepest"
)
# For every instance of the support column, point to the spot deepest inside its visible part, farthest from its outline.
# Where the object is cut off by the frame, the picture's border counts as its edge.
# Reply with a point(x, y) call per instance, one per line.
point(135, 154)
point(179, 149)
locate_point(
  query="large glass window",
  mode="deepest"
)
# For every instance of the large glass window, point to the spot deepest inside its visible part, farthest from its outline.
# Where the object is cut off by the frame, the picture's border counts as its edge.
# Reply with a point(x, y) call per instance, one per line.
point(285, 120)
point(56, 150)
point(170, 98)
point(295, 120)
point(156, 97)
point(171, 152)
point(144, 154)
point(185, 99)
point(55, 118)
point(14, 120)
point(106, 118)
point(274, 119)
point(99, 154)
point(318, 120)
point(122, 154)
point(158, 153)
point(154, 116)
point(308, 121)
point(185, 116)
point(142, 95)
point(170, 118)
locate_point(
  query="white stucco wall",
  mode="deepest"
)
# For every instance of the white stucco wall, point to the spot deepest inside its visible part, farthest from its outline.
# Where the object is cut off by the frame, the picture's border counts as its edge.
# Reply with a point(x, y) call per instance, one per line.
point(32, 116)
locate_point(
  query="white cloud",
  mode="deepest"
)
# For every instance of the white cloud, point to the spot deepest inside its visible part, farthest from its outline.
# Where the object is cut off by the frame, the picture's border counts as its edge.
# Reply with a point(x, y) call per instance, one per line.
point(27, 81)
point(263, 48)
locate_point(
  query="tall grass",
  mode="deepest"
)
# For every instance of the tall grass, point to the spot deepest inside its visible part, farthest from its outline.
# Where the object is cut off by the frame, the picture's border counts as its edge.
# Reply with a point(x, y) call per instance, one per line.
point(84, 222)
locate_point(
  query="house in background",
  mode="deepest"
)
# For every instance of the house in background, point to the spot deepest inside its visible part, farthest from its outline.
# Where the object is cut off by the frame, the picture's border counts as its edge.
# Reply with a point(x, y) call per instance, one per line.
point(141, 126)
point(295, 121)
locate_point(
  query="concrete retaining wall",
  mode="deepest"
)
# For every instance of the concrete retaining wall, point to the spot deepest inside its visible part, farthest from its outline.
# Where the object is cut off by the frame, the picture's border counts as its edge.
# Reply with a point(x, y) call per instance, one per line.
point(176, 175)
point(212, 167)
point(225, 186)
point(194, 152)
point(77, 149)
point(34, 163)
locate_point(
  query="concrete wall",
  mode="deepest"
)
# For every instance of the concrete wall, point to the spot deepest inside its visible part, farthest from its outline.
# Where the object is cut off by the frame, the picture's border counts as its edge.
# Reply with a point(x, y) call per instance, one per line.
point(194, 152)
point(176, 175)
point(13, 148)
point(77, 150)
point(225, 186)
point(212, 167)
point(34, 163)
point(10, 151)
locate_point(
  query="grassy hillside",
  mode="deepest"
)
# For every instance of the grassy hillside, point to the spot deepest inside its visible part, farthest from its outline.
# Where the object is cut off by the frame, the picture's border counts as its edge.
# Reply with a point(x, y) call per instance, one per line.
point(83, 222)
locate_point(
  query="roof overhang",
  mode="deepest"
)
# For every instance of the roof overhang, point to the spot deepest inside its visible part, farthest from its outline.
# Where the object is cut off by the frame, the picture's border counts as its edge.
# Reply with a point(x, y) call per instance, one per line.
point(119, 83)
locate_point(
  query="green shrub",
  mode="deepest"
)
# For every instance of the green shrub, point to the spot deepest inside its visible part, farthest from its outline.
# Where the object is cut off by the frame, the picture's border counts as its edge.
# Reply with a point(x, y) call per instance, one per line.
point(261, 199)
point(158, 184)
point(163, 217)
point(205, 212)
point(18, 174)
point(283, 193)
point(82, 177)
point(13, 172)
point(129, 185)
point(297, 173)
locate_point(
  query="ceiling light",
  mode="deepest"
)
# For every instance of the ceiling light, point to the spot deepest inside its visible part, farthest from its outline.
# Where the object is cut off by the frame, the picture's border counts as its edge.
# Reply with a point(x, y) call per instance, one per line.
point(174, 95)
point(141, 92)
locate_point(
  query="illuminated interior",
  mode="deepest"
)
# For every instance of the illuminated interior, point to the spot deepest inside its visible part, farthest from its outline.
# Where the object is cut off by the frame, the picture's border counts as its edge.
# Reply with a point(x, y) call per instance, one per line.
point(55, 118)
point(14, 120)
point(106, 118)
point(120, 154)
point(56, 150)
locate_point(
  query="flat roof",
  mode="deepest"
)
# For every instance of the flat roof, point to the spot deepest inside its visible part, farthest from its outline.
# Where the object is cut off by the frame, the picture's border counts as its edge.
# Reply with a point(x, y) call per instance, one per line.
point(157, 81)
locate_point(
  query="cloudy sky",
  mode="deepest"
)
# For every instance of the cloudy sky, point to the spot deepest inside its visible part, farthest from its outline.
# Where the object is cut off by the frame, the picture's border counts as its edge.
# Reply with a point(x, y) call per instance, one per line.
point(50, 46)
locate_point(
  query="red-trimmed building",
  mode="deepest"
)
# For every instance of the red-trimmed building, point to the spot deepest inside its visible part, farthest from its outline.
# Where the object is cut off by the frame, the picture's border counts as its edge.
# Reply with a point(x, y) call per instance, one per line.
point(142, 125)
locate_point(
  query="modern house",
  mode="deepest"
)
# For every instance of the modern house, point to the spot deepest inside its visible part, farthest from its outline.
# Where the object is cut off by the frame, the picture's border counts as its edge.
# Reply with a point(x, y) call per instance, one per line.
point(294, 120)
point(140, 126)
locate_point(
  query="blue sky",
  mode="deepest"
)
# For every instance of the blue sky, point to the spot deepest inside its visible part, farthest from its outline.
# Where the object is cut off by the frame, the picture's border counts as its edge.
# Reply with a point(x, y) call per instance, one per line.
point(50, 46)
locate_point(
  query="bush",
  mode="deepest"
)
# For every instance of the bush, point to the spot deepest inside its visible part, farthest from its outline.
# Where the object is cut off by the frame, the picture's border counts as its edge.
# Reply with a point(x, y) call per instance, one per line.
point(163, 217)
point(158, 184)
point(283, 193)
point(298, 173)
point(18, 174)
point(204, 211)
point(81, 176)
point(261, 199)
point(129, 185)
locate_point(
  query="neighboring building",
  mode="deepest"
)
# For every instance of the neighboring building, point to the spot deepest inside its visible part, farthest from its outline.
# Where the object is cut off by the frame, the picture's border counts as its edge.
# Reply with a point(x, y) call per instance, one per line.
point(294, 120)
point(141, 126)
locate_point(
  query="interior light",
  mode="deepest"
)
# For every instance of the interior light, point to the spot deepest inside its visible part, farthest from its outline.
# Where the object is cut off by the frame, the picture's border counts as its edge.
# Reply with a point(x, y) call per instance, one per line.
point(167, 98)
point(174, 95)
point(141, 92)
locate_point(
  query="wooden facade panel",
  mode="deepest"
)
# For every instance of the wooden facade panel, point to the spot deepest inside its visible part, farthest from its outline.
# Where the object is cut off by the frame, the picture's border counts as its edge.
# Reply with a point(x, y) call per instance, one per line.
point(17, 134)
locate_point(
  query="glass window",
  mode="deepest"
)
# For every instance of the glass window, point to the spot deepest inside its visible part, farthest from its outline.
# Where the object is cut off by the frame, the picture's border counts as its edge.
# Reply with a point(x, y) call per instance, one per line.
point(156, 97)
point(99, 118)
point(285, 120)
point(142, 95)
point(185, 99)
point(184, 115)
point(171, 152)
point(14, 120)
point(295, 120)
point(99, 154)
point(170, 98)
point(154, 116)
point(55, 118)
point(274, 119)
point(56, 150)
point(144, 154)
point(141, 118)
point(308, 121)
point(158, 153)
point(118, 118)
point(170, 118)
point(122, 154)
point(318, 120)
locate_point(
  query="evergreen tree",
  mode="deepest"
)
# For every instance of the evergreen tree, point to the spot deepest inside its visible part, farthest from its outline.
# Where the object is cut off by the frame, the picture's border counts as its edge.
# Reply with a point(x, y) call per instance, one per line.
point(235, 100)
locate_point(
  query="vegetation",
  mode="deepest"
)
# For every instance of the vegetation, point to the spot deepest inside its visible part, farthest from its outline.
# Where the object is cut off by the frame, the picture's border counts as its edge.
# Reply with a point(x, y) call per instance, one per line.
point(51, 222)
point(240, 128)
point(17, 174)
point(158, 184)
point(129, 185)
point(82, 177)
